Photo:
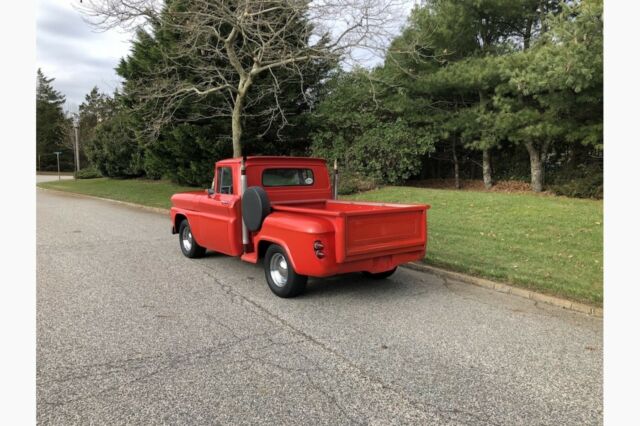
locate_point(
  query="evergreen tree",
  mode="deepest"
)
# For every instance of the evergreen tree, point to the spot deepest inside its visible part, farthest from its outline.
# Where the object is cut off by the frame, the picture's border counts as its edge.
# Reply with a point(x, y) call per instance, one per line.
point(552, 98)
point(199, 130)
point(50, 126)
point(97, 108)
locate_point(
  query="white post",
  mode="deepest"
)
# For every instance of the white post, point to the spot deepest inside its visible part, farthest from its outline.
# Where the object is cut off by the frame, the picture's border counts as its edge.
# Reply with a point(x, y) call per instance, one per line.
point(58, 160)
point(243, 188)
point(75, 127)
point(335, 179)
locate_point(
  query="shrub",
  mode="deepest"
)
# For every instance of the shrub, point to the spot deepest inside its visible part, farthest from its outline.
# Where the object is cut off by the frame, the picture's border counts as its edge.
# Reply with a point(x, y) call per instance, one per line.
point(352, 182)
point(590, 186)
point(385, 153)
point(390, 153)
point(114, 150)
point(90, 172)
point(582, 180)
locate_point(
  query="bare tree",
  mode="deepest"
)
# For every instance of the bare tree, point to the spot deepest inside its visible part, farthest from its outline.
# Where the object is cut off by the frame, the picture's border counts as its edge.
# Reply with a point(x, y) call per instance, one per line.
point(235, 48)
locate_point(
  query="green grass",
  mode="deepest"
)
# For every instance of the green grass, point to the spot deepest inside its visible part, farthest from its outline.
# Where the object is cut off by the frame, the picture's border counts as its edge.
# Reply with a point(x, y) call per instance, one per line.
point(140, 191)
point(545, 243)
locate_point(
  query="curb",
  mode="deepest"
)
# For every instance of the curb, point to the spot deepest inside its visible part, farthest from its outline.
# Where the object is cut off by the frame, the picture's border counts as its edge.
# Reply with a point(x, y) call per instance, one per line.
point(504, 288)
point(158, 210)
point(416, 266)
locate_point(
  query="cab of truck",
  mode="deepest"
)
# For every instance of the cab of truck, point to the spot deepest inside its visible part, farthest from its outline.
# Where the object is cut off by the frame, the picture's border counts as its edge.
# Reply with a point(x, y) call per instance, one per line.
point(282, 211)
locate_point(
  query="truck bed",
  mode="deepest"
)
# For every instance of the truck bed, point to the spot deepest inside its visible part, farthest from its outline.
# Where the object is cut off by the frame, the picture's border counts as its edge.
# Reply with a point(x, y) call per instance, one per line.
point(366, 229)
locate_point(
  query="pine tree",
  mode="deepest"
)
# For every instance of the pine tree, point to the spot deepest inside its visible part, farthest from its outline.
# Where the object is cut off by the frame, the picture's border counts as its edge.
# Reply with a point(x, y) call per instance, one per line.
point(97, 108)
point(50, 125)
point(199, 131)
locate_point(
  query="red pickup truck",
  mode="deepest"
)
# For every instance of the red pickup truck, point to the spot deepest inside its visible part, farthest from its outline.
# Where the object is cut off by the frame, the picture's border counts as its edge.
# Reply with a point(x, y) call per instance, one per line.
point(283, 210)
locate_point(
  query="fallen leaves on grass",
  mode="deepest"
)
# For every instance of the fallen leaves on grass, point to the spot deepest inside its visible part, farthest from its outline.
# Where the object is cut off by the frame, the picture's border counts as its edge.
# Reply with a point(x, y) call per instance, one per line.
point(510, 186)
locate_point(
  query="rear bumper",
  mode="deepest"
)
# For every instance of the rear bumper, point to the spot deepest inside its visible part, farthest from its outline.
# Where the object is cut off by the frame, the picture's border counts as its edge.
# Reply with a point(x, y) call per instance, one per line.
point(374, 264)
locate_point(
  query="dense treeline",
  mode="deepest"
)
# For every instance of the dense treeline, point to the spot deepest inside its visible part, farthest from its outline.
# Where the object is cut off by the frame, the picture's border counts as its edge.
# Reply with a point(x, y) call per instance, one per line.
point(479, 86)
point(470, 89)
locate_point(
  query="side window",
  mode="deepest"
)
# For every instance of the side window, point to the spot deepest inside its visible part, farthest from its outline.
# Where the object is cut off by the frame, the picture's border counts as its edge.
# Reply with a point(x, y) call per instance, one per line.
point(224, 181)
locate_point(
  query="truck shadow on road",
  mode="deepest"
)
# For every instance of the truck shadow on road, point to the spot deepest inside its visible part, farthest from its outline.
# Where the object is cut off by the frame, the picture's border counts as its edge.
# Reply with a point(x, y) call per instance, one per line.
point(400, 285)
point(362, 287)
point(212, 255)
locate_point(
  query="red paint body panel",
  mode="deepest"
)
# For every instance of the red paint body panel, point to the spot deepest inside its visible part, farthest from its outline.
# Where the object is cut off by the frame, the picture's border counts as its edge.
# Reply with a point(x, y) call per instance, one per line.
point(357, 236)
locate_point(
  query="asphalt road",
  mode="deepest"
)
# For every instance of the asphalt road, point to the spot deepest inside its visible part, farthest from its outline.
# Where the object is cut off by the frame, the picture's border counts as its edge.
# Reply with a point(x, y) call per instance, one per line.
point(131, 331)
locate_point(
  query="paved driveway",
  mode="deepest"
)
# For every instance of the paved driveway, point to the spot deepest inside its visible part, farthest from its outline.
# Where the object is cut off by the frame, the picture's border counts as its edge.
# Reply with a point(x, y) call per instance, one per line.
point(130, 331)
point(49, 178)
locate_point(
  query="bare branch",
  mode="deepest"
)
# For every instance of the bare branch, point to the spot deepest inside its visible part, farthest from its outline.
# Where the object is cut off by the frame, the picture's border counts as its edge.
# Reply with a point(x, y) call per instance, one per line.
point(242, 51)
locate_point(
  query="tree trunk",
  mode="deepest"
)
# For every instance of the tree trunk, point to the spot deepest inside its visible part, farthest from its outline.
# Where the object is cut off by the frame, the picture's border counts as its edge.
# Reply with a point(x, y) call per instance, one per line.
point(236, 116)
point(456, 166)
point(486, 169)
point(536, 158)
point(236, 126)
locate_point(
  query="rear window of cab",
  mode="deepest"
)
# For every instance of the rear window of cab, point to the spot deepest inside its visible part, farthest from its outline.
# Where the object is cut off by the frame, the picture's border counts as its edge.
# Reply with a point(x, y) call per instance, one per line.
point(287, 177)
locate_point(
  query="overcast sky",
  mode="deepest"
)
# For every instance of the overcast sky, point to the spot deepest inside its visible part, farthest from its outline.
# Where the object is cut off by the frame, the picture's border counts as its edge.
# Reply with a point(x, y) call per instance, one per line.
point(78, 57)
point(73, 53)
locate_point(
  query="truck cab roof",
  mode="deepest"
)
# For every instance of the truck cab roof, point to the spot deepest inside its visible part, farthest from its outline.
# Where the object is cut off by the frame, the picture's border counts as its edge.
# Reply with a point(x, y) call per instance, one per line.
point(284, 178)
point(273, 160)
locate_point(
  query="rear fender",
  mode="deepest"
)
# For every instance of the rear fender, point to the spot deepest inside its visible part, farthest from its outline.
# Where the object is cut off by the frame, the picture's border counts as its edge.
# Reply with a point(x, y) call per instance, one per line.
point(285, 247)
point(295, 234)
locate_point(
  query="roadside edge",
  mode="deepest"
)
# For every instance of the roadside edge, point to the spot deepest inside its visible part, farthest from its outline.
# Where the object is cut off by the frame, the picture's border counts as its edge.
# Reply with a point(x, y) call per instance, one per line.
point(158, 210)
point(505, 288)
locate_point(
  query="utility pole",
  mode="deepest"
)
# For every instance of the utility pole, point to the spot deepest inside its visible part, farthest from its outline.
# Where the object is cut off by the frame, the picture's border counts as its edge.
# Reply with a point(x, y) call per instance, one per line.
point(57, 153)
point(77, 146)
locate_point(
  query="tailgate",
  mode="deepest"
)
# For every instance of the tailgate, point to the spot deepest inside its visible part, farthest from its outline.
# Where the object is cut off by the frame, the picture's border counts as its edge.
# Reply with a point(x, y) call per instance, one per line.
point(392, 230)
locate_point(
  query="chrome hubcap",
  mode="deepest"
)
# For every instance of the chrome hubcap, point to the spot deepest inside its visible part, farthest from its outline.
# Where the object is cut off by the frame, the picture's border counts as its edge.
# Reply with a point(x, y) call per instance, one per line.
point(187, 239)
point(279, 269)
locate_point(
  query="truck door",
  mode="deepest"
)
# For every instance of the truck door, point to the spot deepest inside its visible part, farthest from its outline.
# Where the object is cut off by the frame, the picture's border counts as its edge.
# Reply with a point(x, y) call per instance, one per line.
point(220, 224)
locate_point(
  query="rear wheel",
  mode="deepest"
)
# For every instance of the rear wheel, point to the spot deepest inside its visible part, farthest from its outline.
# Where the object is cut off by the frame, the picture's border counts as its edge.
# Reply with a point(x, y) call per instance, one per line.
point(380, 275)
point(188, 244)
point(283, 280)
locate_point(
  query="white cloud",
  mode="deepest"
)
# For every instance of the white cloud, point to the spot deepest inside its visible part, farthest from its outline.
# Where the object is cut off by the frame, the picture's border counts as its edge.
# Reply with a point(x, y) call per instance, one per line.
point(77, 56)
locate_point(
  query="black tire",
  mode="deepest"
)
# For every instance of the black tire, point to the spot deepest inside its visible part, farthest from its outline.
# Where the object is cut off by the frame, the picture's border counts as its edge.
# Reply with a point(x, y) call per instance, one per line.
point(255, 207)
point(380, 275)
point(183, 234)
point(294, 283)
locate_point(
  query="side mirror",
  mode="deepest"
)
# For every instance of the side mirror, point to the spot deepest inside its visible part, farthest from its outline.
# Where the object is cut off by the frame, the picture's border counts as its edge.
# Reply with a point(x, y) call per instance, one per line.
point(210, 191)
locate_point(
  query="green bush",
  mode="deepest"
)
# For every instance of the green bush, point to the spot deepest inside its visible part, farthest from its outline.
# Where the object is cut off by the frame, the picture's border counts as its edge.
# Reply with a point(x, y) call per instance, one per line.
point(585, 187)
point(351, 183)
point(581, 181)
point(90, 172)
point(385, 152)
point(114, 150)
point(390, 153)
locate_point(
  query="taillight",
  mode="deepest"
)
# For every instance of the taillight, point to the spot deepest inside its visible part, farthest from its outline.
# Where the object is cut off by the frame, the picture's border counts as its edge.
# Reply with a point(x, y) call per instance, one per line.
point(318, 247)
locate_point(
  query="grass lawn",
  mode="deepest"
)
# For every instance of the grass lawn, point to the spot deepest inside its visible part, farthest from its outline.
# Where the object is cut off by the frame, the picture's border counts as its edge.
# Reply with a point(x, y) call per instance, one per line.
point(545, 243)
point(155, 193)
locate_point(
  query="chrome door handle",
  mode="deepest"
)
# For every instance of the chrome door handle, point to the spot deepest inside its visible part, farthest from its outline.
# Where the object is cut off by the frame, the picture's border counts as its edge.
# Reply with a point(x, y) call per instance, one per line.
point(224, 203)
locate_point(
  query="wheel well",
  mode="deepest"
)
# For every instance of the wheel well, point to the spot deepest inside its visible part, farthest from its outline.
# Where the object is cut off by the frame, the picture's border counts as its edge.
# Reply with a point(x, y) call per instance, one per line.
point(178, 221)
point(262, 248)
